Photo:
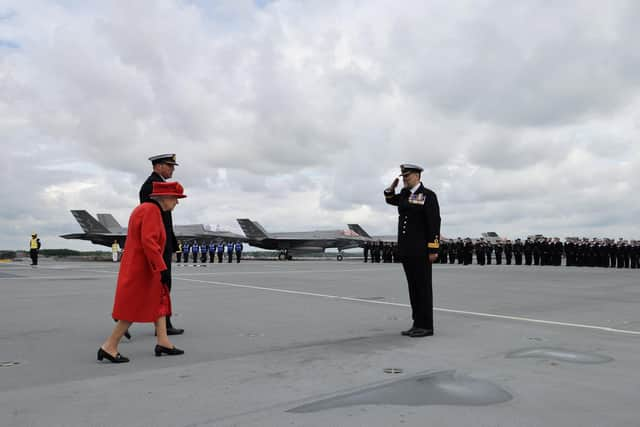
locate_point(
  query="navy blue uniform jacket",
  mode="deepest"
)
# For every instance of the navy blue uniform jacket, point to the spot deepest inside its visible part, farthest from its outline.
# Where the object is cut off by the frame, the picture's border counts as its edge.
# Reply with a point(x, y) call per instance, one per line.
point(418, 221)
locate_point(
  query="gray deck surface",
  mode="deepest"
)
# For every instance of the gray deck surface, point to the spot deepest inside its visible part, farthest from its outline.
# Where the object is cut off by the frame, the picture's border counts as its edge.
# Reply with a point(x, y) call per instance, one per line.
point(265, 337)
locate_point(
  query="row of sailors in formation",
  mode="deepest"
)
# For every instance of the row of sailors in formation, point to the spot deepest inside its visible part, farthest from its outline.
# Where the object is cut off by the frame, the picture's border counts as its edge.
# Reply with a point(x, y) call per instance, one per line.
point(544, 251)
point(203, 250)
point(380, 252)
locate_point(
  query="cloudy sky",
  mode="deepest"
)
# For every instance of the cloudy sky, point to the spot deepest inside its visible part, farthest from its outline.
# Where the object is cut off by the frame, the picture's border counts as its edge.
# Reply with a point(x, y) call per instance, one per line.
point(297, 113)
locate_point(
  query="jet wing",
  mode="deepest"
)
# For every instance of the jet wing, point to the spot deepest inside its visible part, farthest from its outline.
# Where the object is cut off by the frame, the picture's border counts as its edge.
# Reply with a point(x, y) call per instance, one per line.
point(106, 229)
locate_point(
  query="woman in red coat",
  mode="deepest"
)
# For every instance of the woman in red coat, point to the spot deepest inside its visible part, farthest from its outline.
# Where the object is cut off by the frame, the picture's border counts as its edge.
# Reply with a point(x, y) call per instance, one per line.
point(142, 294)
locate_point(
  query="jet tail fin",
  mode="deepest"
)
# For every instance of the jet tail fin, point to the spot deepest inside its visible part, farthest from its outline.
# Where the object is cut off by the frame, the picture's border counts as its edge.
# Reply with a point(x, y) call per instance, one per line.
point(88, 223)
point(252, 229)
point(109, 221)
point(356, 228)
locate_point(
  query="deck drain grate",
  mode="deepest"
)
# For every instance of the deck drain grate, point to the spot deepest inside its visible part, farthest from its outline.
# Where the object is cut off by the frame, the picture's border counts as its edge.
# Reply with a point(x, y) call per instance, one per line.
point(8, 364)
point(392, 370)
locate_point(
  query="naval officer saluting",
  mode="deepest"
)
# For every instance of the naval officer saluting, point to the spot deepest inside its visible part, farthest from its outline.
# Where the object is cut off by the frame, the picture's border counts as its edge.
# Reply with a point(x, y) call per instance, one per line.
point(418, 243)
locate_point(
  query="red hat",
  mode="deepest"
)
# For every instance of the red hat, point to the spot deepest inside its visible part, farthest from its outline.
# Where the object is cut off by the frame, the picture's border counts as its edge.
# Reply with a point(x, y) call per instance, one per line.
point(169, 189)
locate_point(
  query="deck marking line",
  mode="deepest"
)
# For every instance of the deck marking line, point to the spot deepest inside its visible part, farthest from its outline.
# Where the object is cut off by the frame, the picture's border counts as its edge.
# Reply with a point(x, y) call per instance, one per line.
point(395, 304)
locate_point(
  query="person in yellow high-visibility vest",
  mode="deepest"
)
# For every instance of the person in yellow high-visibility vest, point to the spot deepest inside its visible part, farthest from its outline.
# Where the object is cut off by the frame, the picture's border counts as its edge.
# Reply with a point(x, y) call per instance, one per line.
point(34, 248)
point(179, 252)
point(115, 248)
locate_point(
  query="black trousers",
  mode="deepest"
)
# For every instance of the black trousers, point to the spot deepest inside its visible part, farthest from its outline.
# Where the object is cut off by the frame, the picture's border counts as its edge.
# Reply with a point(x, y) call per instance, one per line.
point(418, 273)
point(518, 258)
point(34, 256)
point(168, 257)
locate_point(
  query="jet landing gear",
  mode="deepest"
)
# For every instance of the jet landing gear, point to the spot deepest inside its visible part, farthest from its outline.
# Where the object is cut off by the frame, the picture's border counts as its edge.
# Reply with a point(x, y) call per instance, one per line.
point(340, 257)
point(284, 255)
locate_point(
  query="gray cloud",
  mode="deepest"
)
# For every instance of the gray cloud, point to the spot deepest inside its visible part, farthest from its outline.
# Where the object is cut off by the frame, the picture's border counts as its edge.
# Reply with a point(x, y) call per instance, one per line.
point(519, 64)
point(298, 114)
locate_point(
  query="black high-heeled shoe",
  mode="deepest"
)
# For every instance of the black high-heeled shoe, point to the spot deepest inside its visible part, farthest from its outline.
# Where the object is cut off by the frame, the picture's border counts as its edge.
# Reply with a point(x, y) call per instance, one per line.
point(117, 359)
point(159, 350)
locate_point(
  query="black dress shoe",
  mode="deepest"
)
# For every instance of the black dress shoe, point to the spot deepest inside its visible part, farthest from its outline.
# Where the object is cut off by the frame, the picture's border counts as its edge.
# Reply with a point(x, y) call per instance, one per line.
point(408, 331)
point(420, 332)
point(159, 350)
point(118, 358)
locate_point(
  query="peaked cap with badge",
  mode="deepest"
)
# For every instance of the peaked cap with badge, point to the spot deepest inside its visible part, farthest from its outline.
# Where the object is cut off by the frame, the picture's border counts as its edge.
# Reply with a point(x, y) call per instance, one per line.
point(169, 159)
point(406, 169)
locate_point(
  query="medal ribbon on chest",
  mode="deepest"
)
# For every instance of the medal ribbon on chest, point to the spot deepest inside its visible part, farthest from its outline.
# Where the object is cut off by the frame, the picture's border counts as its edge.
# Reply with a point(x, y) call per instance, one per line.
point(416, 199)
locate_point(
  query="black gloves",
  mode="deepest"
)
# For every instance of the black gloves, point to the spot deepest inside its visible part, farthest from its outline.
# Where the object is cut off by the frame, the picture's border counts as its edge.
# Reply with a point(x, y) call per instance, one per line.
point(165, 277)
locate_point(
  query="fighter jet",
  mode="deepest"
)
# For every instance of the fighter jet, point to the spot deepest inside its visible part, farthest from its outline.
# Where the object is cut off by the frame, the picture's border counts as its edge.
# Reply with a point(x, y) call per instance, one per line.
point(106, 229)
point(289, 244)
point(356, 228)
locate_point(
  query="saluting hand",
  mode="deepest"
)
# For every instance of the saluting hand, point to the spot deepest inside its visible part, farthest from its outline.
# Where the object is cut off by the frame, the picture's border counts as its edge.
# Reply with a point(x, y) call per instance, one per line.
point(394, 184)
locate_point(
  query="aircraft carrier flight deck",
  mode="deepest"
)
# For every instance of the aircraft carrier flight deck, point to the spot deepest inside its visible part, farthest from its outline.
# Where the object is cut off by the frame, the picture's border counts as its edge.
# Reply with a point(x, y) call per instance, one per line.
point(307, 343)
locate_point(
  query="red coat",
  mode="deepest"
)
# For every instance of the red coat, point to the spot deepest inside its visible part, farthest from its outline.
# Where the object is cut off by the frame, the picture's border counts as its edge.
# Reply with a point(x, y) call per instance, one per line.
point(139, 294)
